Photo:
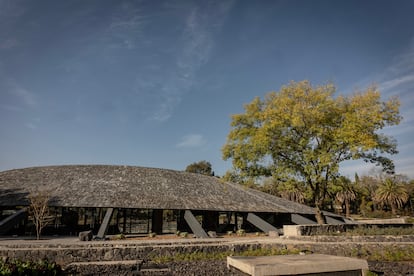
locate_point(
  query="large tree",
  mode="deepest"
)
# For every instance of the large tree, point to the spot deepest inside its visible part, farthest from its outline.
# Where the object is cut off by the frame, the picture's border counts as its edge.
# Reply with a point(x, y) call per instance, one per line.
point(304, 132)
point(201, 167)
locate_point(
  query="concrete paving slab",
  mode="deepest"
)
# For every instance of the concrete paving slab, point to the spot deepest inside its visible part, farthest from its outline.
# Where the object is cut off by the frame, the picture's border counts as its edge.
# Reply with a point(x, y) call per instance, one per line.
point(297, 265)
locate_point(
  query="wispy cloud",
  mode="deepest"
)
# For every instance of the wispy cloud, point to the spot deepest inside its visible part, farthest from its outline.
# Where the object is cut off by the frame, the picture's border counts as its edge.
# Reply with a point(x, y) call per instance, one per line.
point(399, 76)
point(16, 99)
point(8, 43)
point(201, 24)
point(31, 125)
point(397, 79)
point(10, 12)
point(18, 96)
point(405, 166)
point(192, 141)
point(126, 26)
point(25, 95)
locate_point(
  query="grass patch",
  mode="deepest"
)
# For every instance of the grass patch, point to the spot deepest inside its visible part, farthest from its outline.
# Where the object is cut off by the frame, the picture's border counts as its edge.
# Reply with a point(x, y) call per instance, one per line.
point(205, 256)
point(369, 231)
point(385, 253)
point(375, 230)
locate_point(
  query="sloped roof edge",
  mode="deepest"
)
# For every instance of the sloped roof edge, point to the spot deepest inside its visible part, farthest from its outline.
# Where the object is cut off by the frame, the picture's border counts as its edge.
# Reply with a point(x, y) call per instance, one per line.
point(137, 187)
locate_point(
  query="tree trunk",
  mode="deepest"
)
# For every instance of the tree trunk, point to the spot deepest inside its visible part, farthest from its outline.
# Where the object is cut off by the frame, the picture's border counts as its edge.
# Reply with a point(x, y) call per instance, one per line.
point(347, 209)
point(320, 218)
point(38, 231)
point(393, 209)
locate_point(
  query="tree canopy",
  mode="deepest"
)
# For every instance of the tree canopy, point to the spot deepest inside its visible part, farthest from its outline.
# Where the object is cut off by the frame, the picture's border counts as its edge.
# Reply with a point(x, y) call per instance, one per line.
point(304, 132)
point(201, 167)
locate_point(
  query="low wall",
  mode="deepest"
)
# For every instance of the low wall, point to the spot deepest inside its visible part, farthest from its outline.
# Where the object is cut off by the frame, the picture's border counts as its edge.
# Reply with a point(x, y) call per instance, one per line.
point(317, 229)
point(383, 221)
point(113, 252)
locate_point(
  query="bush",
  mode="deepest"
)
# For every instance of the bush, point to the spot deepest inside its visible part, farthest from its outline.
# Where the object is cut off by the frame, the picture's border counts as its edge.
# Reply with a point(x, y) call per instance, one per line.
point(241, 232)
point(17, 267)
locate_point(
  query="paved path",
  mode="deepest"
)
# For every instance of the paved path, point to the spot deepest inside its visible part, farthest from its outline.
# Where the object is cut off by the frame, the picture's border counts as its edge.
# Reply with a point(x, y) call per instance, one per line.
point(64, 242)
point(74, 241)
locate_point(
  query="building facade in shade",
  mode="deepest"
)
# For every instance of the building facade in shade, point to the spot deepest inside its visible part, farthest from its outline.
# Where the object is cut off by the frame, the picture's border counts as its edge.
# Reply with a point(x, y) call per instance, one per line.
point(137, 200)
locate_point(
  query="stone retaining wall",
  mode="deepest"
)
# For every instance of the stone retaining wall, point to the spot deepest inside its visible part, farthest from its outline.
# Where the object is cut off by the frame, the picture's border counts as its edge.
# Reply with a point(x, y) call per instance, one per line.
point(64, 254)
point(317, 229)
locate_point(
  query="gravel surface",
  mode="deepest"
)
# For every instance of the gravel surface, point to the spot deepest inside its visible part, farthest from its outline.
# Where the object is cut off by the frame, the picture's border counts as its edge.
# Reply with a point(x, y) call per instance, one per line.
point(216, 267)
point(392, 268)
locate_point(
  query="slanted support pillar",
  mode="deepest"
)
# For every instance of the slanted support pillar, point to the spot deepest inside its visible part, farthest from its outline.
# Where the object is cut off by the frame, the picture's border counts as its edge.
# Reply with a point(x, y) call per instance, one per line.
point(260, 223)
point(331, 220)
point(298, 219)
point(9, 222)
point(194, 225)
point(105, 224)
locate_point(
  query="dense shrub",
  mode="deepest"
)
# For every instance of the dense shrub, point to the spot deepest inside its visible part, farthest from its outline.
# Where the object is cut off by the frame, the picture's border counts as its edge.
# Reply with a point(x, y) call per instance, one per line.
point(17, 267)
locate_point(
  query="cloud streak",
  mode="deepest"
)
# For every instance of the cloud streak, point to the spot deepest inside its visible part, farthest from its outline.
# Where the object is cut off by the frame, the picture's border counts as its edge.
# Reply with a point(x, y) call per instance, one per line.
point(201, 24)
point(192, 141)
point(18, 95)
point(395, 80)
point(126, 27)
point(398, 79)
point(8, 44)
point(399, 76)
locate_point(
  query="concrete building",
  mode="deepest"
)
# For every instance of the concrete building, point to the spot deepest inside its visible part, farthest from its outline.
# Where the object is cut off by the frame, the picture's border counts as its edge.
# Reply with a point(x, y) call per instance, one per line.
point(137, 200)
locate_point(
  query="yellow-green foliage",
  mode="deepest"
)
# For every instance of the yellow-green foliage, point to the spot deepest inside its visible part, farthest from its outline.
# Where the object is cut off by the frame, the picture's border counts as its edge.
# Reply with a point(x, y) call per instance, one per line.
point(304, 132)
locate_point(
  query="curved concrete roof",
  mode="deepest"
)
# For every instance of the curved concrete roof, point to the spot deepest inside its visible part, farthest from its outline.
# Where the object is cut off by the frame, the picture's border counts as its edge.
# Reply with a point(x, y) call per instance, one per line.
point(137, 187)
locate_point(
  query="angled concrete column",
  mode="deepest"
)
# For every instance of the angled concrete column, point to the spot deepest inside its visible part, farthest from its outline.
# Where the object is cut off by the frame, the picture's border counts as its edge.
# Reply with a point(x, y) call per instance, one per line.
point(105, 223)
point(348, 221)
point(9, 222)
point(298, 219)
point(331, 220)
point(194, 225)
point(260, 223)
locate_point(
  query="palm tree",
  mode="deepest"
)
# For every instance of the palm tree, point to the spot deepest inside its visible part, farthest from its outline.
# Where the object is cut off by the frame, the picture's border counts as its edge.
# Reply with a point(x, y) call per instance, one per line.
point(367, 186)
point(346, 194)
point(391, 193)
point(293, 195)
point(292, 191)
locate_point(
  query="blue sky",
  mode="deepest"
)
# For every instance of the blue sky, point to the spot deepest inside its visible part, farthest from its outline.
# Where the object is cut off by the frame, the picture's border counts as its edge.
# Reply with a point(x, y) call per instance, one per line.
point(154, 83)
